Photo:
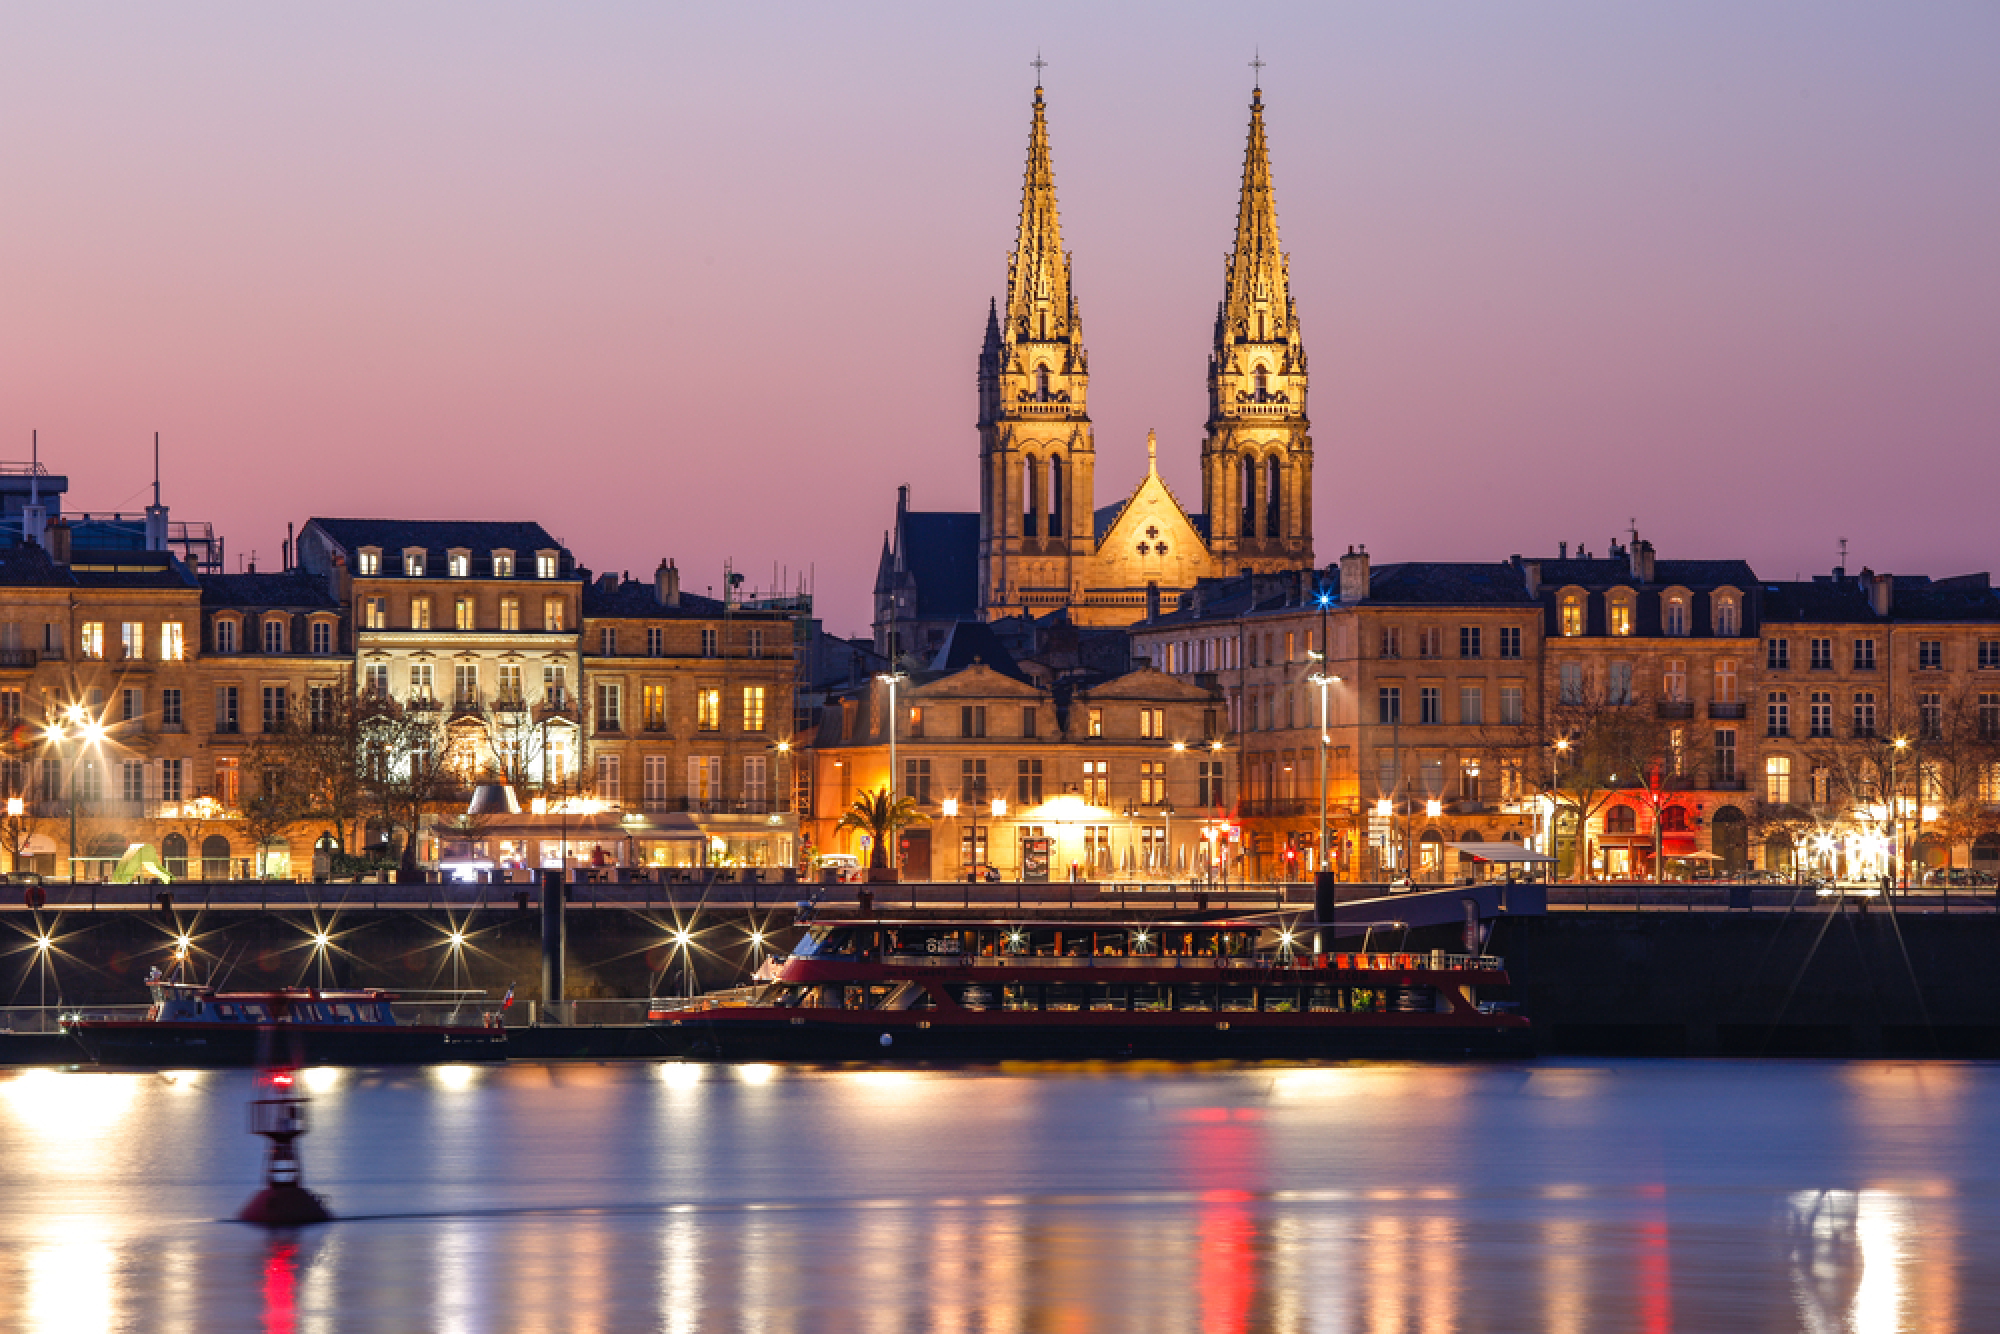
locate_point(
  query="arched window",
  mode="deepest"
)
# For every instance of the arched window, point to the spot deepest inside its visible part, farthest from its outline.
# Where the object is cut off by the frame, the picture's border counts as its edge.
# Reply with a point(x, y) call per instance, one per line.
point(1572, 614)
point(1274, 507)
point(174, 852)
point(1248, 472)
point(1621, 819)
point(1042, 383)
point(1674, 615)
point(1674, 820)
point(215, 858)
point(1727, 622)
point(1619, 608)
point(1055, 524)
point(1031, 494)
point(1260, 383)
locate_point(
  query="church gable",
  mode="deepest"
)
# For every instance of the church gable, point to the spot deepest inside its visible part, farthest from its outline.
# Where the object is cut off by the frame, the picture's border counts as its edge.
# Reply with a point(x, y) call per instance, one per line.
point(1152, 541)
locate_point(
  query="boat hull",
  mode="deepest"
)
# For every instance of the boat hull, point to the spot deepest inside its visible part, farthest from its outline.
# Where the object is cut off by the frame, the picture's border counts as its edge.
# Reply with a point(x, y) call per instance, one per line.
point(173, 1046)
point(750, 1035)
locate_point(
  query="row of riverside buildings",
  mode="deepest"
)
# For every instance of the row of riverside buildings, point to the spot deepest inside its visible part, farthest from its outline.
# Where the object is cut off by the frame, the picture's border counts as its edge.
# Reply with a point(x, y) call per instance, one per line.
point(1147, 689)
point(154, 704)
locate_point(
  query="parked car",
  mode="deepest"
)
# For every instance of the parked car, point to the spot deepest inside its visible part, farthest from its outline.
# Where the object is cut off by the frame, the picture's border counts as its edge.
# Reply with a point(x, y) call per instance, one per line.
point(845, 866)
point(1959, 877)
point(24, 878)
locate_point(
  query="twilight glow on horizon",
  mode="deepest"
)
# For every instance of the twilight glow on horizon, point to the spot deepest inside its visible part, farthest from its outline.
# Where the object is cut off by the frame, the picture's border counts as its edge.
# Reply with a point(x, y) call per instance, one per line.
point(709, 283)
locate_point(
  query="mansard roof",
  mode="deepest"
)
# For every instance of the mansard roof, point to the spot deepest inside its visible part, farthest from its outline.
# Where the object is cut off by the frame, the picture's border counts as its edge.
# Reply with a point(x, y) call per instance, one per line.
point(1448, 583)
point(293, 589)
point(481, 537)
point(1609, 572)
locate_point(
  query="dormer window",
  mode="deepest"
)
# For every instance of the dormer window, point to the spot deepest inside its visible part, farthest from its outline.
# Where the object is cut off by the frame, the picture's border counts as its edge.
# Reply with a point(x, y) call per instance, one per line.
point(1620, 609)
point(413, 562)
point(459, 563)
point(1674, 614)
point(1727, 621)
point(503, 564)
point(545, 565)
point(1572, 614)
point(371, 560)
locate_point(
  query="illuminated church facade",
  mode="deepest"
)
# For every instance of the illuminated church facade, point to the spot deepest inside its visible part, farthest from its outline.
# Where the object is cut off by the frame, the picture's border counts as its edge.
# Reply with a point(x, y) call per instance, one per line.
point(1039, 544)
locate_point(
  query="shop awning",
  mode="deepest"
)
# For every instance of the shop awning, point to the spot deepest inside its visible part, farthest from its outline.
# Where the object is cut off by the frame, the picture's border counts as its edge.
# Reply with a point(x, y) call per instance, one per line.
point(1499, 852)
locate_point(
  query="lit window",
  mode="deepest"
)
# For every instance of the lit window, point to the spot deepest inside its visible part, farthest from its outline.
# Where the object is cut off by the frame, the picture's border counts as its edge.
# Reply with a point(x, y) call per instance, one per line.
point(1726, 623)
point(708, 709)
point(545, 565)
point(173, 647)
point(503, 565)
point(510, 613)
point(1621, 614)
point(90, 639)
point(413, 562)
point(552, 614)
point(375, 616)
point(459, 564)
point(1572, 615)
point(753, 708)
point(420, 613)
point(1778, 780)
point(461, 614)
point(132, 638)
point(1096, 722)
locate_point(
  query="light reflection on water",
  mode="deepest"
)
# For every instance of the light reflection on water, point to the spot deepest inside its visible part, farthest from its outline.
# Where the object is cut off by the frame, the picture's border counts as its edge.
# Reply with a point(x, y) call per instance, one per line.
point(1386, 1199)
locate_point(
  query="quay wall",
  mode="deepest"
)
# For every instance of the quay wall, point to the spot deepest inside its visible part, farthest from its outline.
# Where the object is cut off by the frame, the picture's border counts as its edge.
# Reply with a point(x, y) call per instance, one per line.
point(1620, 980)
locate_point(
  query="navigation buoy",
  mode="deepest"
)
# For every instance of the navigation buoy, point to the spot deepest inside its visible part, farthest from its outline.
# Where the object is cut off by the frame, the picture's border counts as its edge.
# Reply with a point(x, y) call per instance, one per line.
point(888, 1041)
point(280, 1116)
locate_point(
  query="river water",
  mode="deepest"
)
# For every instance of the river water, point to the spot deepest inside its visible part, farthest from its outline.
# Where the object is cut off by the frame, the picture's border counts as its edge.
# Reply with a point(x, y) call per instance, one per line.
point(1395, 1199)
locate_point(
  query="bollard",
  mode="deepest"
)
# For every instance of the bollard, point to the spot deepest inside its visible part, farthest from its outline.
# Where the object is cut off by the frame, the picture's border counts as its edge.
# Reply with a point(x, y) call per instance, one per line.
point(553, 944)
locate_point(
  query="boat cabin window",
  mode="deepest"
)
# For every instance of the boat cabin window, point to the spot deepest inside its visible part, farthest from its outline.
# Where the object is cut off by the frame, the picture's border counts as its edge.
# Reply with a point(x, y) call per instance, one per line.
point(255, 1012)
point(223, 1011)
point(926, 940)
point(828, 942)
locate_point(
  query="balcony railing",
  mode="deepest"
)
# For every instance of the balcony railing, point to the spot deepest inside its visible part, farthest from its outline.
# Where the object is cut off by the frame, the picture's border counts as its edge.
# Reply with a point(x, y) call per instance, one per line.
point(18, 657)
point(715, 806)
point(1675, 708)
point(1727, 709)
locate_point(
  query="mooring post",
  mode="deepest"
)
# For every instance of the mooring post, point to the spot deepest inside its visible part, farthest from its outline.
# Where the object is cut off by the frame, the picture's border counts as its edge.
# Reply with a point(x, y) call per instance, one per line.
point(1325, 901)
point(553, 943)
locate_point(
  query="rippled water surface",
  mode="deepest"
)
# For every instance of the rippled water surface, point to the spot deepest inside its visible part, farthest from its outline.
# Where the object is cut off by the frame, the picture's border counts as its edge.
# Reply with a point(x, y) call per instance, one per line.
point(1564, 1197)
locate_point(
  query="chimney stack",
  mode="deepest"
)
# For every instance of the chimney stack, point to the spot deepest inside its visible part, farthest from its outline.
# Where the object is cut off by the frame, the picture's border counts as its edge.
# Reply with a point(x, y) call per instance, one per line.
point(1354, 575)
point(1152, 600)
point(58, 541)
point(667, 584)
point(1641, 552)
point(1881, 593)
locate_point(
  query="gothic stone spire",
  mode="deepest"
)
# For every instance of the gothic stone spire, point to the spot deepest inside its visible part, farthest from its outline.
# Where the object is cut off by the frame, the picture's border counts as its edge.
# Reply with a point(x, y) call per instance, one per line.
point(1040, 307)
point(1257, 298)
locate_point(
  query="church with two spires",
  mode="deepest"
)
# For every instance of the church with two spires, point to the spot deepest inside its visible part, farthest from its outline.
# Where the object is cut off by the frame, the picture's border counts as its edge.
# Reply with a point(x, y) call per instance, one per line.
point(1039, 544)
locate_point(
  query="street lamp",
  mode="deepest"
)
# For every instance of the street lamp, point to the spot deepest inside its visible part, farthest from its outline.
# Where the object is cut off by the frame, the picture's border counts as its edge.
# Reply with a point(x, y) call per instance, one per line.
point(1322, 679)
point(890, 679)
point(999, 810)
point(81, 730)
point(948, 810)
point(1897, 746)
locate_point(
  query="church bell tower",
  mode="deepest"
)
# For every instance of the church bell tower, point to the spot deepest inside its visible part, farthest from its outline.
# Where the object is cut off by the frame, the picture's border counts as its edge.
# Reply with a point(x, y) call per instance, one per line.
point(1256, 463)
point(1036, 458)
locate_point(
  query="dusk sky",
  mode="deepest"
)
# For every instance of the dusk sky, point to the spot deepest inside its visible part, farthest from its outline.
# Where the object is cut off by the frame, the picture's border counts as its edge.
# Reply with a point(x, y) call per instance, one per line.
point(709, 281)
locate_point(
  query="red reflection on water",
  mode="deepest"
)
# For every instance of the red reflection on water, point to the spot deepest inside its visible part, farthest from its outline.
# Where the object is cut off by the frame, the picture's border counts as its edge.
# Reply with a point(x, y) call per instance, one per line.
point(1656, 1297)
point(281, 1282)
point(1226, 1160)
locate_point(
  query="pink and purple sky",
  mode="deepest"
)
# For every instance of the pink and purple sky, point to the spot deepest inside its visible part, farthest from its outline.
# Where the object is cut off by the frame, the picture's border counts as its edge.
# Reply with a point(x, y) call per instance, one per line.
point(709, 281)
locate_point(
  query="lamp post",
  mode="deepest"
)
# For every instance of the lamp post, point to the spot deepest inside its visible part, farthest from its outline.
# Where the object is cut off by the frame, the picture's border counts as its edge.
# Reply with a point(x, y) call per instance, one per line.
point(999, 811)
point(1322, 679)
point(1897, 746)
point(890, 679)
point(948, 810)
point(784, 749)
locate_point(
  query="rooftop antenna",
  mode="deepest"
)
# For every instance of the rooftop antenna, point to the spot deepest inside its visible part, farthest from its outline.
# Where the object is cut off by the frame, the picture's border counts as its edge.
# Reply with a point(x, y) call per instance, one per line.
point(156, 468)
point(35, 467)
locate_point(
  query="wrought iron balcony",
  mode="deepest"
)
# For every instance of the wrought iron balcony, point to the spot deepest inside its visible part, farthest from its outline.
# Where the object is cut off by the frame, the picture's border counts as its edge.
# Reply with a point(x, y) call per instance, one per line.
point(1727, 709)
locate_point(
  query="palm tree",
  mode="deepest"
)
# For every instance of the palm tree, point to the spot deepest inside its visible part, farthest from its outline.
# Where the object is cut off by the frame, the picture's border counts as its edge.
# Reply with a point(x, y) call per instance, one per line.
point(874, 814)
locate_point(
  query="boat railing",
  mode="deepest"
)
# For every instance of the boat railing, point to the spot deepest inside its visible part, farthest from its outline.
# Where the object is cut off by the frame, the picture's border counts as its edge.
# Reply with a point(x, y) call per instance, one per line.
point(1400, 961)
point(50, 1018)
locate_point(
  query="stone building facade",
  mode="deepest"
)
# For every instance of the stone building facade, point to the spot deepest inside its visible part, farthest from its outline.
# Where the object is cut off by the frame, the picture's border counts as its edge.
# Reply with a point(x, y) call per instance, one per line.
point(1118, 777)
